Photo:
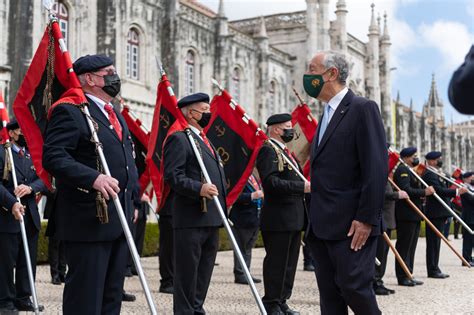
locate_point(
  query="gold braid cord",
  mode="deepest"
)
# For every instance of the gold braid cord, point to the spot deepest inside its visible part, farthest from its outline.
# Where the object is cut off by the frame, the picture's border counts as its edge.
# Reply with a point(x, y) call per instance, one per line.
point(280, 160)
point(101, 203)
point(203, 180)
point(47, 94)
point(7, 168)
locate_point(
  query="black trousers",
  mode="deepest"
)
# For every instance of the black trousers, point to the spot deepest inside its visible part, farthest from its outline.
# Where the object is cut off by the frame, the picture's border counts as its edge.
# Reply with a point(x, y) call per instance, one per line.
point(56, 257)
point(407, 239)
point(94, 281)
point(165, 254)
point(381, 254)
point(16, 287)
point(467, 243)
point(433, 244)
point(246, 239)
point(195, 251)
point(344, 276)
point(279, 266)
point(138, 233)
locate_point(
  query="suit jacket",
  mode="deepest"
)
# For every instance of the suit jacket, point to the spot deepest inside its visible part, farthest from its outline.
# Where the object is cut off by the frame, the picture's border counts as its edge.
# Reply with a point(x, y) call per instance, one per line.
point(434, 209)
point(460, 87)
point(183, 174)
point(70, 156)
point(467, 208)
point(244, 213)
point(408, 182)
point(349, 170)
point(25, 174)
point(388, 213)
point(283, 206)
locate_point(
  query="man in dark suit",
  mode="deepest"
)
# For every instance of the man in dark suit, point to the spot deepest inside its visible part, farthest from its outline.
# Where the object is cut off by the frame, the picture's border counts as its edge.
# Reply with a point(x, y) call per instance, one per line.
point(349, 167)
point(468, 217)
point(407, 220)
point(436, 213)
point(282, 216)
point(388, 217)
point(196, 220)
point(460, 87)
point(96, 249)
point(15, 292)
point(245, 215)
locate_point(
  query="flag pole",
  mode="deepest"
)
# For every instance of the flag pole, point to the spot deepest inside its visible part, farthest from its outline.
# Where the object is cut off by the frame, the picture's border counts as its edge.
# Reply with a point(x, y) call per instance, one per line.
point(287, 160)
point(449, 179)
point(428, 222)
point(298, 96)
point(397, 256)
point(23, 233)
point(221, 212)
point(440, 200)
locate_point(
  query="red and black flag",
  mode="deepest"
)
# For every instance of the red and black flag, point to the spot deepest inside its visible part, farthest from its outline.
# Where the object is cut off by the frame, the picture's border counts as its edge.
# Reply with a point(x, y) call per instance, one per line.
point(140, 138)
point(393, 159)
point(50, 80)
point(4, 120)
point(237, 140)
point(167, 119)
point(305, 126)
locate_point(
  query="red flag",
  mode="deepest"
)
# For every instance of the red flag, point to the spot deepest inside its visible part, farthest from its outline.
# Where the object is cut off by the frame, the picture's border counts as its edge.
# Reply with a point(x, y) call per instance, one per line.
point(237, 140)
point(457, 173)
point(167, 119)
point(4, 118)
point(393, 159)
point(305, 126)
point(140, 139)
point(49, 81)
point(421, 169)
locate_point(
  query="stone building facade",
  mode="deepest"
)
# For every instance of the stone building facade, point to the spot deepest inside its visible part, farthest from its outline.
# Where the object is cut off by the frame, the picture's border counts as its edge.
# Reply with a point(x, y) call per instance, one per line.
point(258, 59)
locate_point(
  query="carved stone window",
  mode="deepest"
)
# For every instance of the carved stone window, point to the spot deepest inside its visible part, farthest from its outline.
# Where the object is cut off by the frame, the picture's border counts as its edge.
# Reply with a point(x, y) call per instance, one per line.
point(235, 84)
point(133, 54)
point(189, 73)
point(62, 13)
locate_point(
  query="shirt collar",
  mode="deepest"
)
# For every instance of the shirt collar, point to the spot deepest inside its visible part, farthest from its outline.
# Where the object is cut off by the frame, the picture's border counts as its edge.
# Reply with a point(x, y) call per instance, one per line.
point(336, 99)
point(17, 148)
point(195, 130)
point(281, 144)
point(96, 100)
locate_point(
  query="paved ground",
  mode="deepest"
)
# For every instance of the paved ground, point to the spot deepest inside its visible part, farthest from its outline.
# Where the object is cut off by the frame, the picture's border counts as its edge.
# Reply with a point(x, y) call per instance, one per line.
point(454, 295)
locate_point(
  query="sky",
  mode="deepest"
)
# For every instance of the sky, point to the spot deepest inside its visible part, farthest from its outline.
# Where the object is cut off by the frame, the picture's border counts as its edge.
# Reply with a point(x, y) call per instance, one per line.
point(428, 37)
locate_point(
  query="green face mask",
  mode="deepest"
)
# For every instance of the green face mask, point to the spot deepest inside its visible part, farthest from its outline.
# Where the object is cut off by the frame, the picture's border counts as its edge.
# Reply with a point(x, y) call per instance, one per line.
point(313, 84)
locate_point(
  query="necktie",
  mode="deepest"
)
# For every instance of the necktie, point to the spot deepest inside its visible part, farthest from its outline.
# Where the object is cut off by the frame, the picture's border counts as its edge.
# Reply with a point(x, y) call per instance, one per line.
point(21, 153)
point(113, 120)
point(291, 157)
point(206, 142)
point(325, 122)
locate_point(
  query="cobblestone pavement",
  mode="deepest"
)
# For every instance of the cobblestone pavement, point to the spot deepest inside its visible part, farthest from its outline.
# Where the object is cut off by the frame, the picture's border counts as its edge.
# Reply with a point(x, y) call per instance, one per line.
point(454, 295)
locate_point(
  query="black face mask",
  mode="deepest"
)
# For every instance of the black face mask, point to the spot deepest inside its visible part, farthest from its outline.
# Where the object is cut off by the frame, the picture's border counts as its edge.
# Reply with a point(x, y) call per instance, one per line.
point(439, 163)
point(21, 141)
point(205, 118)
point(415, 161)
point(288, 135)
point(112, 84)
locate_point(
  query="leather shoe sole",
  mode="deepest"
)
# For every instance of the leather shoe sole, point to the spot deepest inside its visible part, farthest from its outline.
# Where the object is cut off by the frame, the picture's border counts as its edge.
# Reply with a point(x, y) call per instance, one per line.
point(126, 297)
point(439, 276)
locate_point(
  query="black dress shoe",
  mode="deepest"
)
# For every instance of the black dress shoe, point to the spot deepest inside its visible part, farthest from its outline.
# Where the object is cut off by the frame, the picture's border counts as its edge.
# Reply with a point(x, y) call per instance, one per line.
point(243, 280)
point(62, 278)
point(417, 282)
point(166, 290)
point(406, 282)
point(381, 290)
point(438, 275)
point(273, 310)
point(389, 290)
point(27, 306)
point(128, 273)
point(56, 280)
point(309, 267)
point(127, 297)
point(256, 280)
point(287, 310)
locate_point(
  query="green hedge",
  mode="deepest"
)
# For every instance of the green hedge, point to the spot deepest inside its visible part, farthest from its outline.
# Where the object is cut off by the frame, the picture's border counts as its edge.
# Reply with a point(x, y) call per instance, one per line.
point(150, 246)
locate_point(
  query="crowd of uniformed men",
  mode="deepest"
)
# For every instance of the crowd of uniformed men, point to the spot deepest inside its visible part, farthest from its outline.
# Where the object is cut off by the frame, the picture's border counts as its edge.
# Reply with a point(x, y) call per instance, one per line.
point(339, 208)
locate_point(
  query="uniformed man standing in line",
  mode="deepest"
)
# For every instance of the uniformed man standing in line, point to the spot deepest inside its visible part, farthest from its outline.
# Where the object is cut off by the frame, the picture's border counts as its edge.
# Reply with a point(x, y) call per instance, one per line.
point(96, 248)
point(468, 217)
point(15, 292)
point(282, 216)
point(436, 213)
point(407, 220)
point(196, 220)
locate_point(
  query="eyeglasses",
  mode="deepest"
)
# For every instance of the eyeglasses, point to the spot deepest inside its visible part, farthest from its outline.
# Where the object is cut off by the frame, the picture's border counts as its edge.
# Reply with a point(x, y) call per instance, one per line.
point(108, 72)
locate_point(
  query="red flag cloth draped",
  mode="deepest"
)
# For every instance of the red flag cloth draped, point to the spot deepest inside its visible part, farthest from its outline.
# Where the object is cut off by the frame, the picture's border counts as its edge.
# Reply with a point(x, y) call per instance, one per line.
point(305, 126)
point(167, 119)
point(457, 173)
point(393, 159)
point(237, 140)
point(5, 120)
point(421, 169)
point(49, 81)
point(140, 139)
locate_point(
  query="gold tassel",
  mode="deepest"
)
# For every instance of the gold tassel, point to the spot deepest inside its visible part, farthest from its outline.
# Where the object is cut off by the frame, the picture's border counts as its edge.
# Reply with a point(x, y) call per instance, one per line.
point(7, 168)
point(102, 209)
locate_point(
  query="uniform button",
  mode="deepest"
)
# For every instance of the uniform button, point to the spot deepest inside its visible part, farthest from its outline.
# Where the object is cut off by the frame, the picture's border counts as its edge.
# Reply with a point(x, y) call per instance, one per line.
point(125, 189)
point(127, 167)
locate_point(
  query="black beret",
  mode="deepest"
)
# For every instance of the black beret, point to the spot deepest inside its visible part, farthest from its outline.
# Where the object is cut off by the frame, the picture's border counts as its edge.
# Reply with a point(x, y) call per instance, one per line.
point(13, 124)
point(91, 63)
point(278, 119)
point(406, 152)
point(433, 155)
point(192, 99)
point(467, 174)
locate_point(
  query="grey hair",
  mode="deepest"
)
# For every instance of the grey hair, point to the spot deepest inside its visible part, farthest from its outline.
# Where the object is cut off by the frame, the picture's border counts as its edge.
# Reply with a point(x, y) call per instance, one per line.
point(82, 79)
point(185, 110)
point(333, 59)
